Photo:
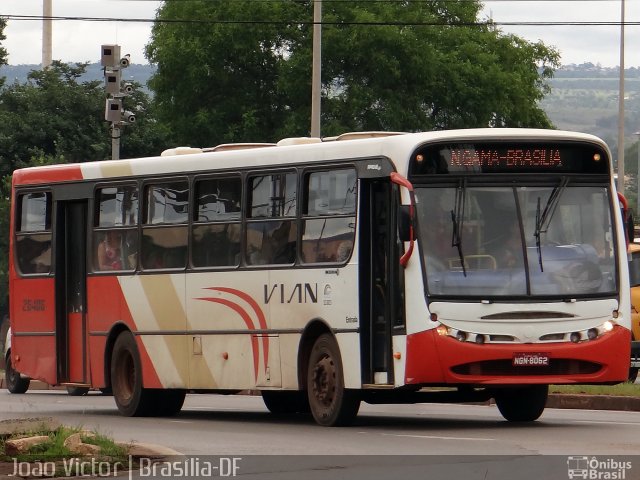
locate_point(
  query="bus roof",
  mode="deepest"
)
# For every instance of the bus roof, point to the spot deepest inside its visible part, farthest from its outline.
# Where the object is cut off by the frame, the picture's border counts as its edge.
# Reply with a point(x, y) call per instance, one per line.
point(396, 145)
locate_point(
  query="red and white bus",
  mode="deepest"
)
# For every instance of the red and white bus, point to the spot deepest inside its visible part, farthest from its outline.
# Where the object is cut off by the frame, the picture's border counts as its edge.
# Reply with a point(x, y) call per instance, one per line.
point(482, 264)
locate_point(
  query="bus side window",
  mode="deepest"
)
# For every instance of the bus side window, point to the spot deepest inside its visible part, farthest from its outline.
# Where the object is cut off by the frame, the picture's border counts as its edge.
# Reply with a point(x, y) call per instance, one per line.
point(271, 235)
point(328, 229)
point(33, 232)
point(215, 238)
point(165, 230)
point(115, 230)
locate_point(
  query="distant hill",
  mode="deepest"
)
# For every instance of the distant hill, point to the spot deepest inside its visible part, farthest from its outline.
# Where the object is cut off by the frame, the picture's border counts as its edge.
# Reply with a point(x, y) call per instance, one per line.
point(134, 72)
point(583, 97)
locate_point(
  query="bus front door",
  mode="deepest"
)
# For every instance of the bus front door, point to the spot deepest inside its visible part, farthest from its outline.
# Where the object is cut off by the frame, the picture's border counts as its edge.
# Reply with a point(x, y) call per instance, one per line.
point(71, 269)
point(377, 299)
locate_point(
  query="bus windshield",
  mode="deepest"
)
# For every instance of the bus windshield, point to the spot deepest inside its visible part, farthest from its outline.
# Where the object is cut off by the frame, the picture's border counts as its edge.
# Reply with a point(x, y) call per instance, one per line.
point(505, 241)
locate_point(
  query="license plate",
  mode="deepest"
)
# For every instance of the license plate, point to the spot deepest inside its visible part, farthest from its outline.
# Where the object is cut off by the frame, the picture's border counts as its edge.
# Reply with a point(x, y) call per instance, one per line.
point(525, 359)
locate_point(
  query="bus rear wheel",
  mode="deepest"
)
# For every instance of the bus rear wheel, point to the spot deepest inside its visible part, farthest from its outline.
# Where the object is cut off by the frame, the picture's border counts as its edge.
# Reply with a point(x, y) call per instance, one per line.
point(126, 378)
point(330, 402)
point(168, 402)
point(522, 404)
point(15, 382)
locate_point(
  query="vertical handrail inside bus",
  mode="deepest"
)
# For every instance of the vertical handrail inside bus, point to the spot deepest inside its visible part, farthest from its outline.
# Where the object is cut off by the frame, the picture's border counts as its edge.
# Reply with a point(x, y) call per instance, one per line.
point(403, 182)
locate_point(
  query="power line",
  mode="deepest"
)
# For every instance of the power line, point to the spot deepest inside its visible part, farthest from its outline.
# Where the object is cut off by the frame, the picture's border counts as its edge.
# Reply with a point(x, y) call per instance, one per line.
point(324, 22)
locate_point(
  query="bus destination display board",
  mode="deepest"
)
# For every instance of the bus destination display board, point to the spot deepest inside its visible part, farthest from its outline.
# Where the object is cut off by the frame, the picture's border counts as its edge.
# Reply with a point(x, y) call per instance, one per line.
point(502, 157)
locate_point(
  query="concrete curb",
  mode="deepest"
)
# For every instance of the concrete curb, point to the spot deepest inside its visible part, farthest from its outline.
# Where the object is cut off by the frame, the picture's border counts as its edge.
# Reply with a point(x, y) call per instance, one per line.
point(594, 402)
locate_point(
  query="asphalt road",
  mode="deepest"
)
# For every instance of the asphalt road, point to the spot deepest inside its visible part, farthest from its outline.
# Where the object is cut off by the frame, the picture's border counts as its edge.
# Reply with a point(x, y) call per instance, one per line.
point(214, 424)
point(448, 441)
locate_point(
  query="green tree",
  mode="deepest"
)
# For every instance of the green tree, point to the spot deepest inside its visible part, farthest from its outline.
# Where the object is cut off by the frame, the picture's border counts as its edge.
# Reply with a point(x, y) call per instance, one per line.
point(217, 82)
point(3, 51)
point(56, 118)
point(240, 71)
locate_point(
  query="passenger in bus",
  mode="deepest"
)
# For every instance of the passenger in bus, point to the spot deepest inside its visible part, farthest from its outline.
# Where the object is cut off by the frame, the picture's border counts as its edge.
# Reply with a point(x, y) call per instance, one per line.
point(282, 249)
point(109, 252)
point(510, 254)
point(343, 251)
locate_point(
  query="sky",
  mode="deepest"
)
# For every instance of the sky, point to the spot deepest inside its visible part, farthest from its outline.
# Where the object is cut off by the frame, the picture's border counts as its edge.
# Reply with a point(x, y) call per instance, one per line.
point(80, 41)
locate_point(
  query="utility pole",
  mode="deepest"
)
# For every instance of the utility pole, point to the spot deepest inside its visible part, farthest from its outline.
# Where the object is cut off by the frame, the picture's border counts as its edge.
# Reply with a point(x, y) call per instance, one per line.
point(621, 106)
point(113, 64)
point(316, 69)
point(637, 213)
point(47, 33)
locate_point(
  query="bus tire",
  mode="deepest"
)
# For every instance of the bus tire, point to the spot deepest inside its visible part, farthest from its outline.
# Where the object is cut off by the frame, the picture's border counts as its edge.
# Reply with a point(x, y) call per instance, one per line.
point(16, 383)
point(633, 374)
point(126, 378)
point(168, 402)
point(77, 391)
point(330, 402)
point(522, 404)
point(285, 402)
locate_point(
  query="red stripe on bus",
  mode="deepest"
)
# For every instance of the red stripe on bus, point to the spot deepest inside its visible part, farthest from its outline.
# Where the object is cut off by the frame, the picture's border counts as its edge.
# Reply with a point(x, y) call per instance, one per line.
point(247, 320)
point(51, 174)
point(259, 313)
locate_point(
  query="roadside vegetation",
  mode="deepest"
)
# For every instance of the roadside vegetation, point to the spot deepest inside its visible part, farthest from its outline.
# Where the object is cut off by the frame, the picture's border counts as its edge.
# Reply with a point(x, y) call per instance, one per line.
point(623, 389)
point(58, 455)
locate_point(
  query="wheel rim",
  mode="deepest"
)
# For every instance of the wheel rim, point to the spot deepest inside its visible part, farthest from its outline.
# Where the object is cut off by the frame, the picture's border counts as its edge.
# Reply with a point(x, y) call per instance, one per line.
point(125, 377)
point(324, 381)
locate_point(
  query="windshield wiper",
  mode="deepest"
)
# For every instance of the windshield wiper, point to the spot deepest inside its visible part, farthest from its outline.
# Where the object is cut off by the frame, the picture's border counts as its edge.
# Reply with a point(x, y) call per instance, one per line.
point(544, 217)
point(457, 219)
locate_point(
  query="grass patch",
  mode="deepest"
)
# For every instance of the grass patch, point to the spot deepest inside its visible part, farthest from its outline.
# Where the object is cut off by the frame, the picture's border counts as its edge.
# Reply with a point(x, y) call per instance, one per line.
point(54, 449)
point(623, 389)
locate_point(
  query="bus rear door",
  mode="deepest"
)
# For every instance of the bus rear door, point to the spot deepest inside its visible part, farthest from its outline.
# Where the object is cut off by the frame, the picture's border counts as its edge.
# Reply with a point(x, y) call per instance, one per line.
point(71, 270)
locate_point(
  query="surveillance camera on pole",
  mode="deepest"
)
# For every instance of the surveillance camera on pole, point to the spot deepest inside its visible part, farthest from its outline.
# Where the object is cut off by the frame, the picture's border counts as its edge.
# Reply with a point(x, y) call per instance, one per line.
point(128, 117)
point(113, 64)
point(113, 110)
point(110, 57)
point(112, 81)
point(125, 61)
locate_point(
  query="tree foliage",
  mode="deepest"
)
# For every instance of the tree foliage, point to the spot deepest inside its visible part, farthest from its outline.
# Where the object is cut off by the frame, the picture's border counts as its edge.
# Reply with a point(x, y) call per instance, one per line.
point(55, 118)
point(3, 51)
point(241, 70)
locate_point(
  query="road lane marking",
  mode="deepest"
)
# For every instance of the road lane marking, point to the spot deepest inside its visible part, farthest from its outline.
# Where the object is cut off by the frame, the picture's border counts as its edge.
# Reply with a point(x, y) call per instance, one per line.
point(606, 423)
point(434, 437)
point(180, 421)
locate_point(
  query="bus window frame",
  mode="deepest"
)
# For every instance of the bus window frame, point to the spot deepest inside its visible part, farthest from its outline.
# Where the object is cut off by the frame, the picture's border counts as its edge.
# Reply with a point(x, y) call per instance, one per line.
point(144, 225)
point(304, 215)
point(19, 233)
point(96, 229)
point(194, 223)
point(248, 219)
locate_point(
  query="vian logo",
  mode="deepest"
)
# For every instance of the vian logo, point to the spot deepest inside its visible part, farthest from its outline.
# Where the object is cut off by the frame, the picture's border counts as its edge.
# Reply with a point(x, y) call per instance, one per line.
point(299, 293)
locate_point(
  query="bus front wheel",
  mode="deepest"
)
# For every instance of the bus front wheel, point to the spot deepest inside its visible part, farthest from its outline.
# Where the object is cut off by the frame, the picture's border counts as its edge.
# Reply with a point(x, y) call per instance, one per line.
point(330, 402)
point(522, 404)
point(126, 378)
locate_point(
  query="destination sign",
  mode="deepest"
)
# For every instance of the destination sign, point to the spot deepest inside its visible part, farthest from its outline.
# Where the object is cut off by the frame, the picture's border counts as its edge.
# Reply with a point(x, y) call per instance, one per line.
point(504, 157)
